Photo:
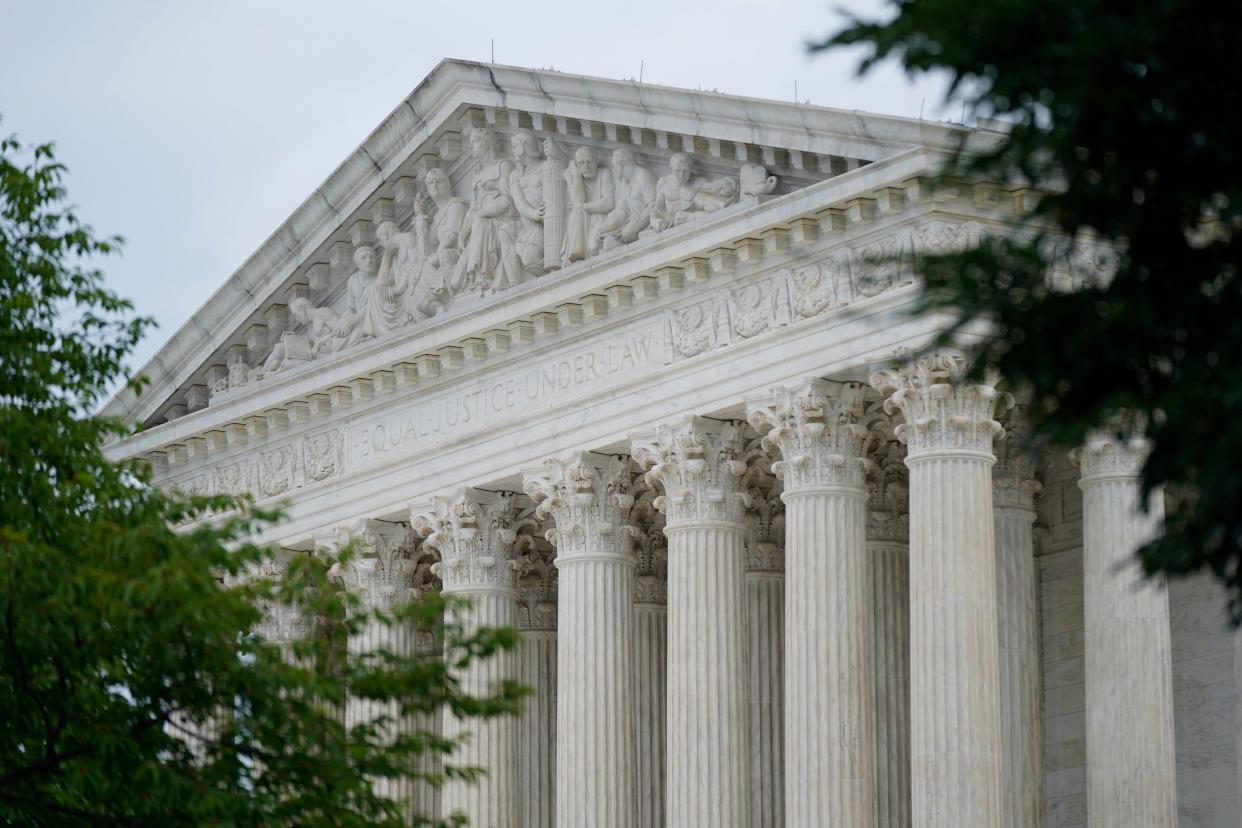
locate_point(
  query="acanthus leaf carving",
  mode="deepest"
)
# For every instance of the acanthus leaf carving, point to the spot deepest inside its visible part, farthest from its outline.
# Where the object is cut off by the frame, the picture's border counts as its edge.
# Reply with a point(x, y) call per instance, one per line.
point(943, 410)
point(815, 428)
point(698, 464)
point(476, 534)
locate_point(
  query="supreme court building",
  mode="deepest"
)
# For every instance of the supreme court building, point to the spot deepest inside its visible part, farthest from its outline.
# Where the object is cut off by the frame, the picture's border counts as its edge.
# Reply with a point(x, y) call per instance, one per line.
point(630, 367)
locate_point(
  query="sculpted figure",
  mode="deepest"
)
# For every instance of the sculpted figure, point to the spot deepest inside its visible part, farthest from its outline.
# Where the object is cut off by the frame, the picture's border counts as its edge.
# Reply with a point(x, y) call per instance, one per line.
point(320, 337)
point(401, 265)
point(437, 239)
point(488, 261)
point(756, 181)
point(636, 193)
point(682, 196)
point(372, 304)
point(591, 199)
point(526, 190)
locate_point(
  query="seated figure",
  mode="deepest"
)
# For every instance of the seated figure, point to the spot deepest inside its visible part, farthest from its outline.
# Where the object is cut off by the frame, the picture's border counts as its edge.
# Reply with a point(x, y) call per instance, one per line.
point(682, 196)
point(635, 196)
point(320, 337)
point(373, 307)
point(401, 265)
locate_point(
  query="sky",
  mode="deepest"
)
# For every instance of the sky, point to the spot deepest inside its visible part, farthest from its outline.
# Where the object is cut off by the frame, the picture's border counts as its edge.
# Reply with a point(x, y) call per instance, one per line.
point(193, 129)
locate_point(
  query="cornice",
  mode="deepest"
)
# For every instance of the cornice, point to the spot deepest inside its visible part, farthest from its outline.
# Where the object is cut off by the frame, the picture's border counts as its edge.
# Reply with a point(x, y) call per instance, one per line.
point(829, 215)
point(455, 86)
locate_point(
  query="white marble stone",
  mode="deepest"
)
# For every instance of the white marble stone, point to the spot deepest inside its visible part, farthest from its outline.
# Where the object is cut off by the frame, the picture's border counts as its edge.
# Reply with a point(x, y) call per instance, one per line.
point(589, 498)
point(1013, 495)
point(956, 740)
point(888, 546)
point(696, 463)
point(830, 744)
point(1131, 759)
point(520, 265)
point(475, 533)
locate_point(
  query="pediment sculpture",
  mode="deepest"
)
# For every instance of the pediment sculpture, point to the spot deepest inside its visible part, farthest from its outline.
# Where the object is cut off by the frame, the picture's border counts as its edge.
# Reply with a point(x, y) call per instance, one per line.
point(532, 207)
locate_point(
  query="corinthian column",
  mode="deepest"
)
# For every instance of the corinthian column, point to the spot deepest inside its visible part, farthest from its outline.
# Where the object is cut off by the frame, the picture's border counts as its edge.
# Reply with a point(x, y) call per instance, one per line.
point(1021, 681)
point(1131, 765)
point(588, 497)
point(476, 533)
point(537, 588)
point(765, 599)
point(697, 464)
point(830, 744)
point(955, 737)
point(381, 577)
point(651, 663)
point(888, 546)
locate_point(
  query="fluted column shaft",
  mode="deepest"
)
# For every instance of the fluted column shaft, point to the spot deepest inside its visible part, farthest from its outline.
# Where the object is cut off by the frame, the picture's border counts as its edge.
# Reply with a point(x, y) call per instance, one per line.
point(475, 533)
point(1022, 791)
point(708, 758)
point(890, 568)
point(765, 600)
point(493, 800)
point(1131, 764)
point(651, 668)
point(955, 762)
point(954, 644)
point(708, 754)
point(537, 734)
point(829, 690)
point(830, 754)
point(888, 547)
point(381, 577)
point(651, 645)
point(596, 766)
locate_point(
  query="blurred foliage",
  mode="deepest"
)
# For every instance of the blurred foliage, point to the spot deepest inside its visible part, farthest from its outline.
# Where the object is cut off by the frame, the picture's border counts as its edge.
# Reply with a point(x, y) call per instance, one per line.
point(1126, 118)
point(133, 689)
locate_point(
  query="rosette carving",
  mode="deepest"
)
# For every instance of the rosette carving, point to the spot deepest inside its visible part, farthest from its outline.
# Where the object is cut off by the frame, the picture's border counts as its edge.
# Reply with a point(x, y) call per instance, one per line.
point(697, 463)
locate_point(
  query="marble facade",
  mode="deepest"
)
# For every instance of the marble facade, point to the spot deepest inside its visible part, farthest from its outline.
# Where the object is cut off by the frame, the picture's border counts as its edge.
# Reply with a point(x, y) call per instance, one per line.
point(629, 367)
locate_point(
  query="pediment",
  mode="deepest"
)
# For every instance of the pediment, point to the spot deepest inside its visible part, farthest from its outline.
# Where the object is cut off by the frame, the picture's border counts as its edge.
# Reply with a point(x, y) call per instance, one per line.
point(486, 182)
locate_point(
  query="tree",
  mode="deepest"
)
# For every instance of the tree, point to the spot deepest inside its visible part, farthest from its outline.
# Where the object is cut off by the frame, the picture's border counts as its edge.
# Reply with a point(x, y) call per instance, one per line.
point(133, 690)
point(1124, 118)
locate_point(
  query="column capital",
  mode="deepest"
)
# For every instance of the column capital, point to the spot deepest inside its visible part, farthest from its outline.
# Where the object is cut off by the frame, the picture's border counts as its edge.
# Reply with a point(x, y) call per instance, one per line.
point(1013, 477)
point(1105, 456)
point(764, 544)
point(698, 463)
point(281, 622)
point(381, 571)
point(588, 496)
point(815, 427)
point(944, 414)
point(537, 585)
point(888, 494)
point(476, 534)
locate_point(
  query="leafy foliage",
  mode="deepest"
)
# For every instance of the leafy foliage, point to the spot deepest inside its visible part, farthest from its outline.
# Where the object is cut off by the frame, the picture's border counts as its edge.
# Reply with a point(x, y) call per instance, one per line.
point(1124, 118)
point(131, 692)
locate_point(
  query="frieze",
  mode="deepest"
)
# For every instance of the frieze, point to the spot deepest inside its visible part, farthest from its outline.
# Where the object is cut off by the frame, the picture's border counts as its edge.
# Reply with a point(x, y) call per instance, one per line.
point(730, 314)
point(304, 461)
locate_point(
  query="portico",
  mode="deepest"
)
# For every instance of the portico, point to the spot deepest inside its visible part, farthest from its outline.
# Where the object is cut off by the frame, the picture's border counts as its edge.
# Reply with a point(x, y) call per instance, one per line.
point(769, 567)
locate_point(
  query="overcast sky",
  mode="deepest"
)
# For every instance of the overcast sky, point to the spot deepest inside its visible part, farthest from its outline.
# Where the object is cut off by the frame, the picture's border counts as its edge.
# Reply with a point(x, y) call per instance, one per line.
point(193, 129)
